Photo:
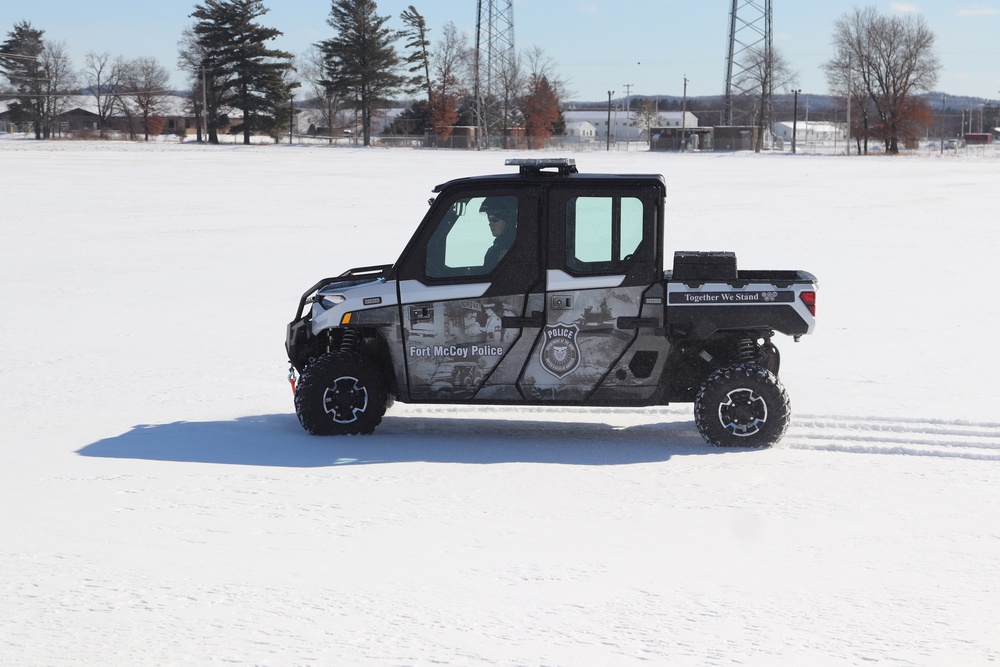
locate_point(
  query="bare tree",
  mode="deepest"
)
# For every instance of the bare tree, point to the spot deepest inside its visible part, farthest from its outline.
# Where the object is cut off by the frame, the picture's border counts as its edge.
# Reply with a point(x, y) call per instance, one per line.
point(645, 113)
point(205, 99)
point(541, 81)
point(513, 84)
point(846, 82)
point(763, 72)
point(144, 93)
point(539, 65)
point(104, 78)
point(884, 60)
point(59, 79)
point(451, 60)
point(320, 95)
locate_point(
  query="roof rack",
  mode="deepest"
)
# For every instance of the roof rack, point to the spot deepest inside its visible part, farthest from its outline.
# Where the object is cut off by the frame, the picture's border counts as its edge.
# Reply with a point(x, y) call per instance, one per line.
point(534, 166)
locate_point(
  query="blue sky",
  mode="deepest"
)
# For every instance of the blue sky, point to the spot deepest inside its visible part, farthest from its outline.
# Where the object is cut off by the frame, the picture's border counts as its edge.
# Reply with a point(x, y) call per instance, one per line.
point(596, 45)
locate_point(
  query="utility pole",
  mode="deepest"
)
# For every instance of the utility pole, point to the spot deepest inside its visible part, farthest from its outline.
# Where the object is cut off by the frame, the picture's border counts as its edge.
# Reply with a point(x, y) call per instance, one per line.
point(849, 58)
point(807, 118)
point(610, 93)
point(628, 109)
point(795, 118)
point(291, 109)
point(944, 101)
point(684, 109)
point(204, 102)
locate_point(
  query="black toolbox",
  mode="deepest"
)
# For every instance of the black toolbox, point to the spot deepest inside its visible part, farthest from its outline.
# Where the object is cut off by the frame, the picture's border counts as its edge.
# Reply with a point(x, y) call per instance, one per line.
point(704, 266)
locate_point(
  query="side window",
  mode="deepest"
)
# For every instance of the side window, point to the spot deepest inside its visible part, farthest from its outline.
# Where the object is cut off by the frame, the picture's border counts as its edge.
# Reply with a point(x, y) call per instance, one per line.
point(473, 237)
point(602, 232)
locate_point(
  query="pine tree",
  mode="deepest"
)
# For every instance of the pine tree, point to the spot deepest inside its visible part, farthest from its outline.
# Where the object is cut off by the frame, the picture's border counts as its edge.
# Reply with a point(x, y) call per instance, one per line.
point(246, 74)
point(361, 61)
point(419, 59)
point(21, 62)
point(412, 121)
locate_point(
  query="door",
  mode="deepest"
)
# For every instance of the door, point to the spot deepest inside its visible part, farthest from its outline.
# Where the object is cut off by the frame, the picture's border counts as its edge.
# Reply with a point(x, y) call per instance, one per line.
point(465, 291)
point(601, 271)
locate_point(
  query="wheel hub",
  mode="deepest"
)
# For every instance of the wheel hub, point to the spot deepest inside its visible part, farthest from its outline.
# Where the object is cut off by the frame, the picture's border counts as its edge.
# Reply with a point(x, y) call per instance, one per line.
point(744, 413)
point(345, 399)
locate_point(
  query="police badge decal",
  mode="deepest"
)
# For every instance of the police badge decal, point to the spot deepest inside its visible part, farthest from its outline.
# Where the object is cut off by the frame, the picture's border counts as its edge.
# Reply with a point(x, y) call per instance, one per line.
point(560, 354)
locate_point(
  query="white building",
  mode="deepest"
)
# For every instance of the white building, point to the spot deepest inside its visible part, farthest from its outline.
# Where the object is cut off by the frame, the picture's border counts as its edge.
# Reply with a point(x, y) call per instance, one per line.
point(623, 126)
point(810, 131)
point(581, 130)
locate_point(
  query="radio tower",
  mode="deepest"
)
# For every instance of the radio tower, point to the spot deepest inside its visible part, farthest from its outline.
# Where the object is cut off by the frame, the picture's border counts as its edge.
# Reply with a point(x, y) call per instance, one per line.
point(495, 60)
point(749, 33)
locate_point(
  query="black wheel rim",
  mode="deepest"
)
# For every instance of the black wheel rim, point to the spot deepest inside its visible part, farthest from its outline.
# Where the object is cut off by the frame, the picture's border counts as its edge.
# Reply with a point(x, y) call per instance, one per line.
point(345, 400)
point(744, 412)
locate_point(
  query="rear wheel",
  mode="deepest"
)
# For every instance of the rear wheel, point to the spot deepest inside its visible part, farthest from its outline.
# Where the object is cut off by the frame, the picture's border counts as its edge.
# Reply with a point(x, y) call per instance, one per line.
point(341, 393)
point(742, 406)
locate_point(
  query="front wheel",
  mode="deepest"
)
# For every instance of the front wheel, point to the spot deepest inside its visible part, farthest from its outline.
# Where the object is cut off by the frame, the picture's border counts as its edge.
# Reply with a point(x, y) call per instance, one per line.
point(742, 406)
point(341, 393)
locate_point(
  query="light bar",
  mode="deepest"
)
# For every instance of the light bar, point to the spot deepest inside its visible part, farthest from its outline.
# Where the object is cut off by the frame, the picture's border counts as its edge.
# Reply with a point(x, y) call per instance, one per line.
point(565, 165)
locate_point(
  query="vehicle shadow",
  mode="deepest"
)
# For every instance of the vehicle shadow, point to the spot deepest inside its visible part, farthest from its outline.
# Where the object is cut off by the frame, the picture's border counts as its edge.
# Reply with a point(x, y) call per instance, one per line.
point(278, 441)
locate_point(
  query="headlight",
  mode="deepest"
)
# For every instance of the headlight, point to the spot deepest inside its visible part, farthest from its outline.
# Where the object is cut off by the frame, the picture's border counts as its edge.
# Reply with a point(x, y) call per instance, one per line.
point(328, 301)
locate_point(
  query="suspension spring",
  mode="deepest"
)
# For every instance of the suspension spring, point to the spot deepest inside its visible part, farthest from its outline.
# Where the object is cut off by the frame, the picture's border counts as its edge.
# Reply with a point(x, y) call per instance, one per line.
point(748, 349)
point(350, 340)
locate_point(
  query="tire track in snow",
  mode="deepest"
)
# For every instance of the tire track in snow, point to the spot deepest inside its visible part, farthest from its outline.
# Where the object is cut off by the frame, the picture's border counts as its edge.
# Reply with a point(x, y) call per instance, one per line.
point(879, 435)
point(833, 433)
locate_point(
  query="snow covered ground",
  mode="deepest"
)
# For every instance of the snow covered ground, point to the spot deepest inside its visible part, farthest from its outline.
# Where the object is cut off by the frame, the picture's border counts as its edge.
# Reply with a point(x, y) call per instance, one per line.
point(161, 504)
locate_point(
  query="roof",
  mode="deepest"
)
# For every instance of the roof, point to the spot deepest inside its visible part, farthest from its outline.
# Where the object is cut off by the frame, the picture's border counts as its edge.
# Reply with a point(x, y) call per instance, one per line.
point(813, 126)
point(173, 105)
point(600, 116)
point(533, 170)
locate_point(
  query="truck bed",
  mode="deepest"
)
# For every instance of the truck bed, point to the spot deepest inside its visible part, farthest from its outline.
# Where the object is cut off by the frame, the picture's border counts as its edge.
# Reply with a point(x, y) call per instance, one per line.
point(711, 296)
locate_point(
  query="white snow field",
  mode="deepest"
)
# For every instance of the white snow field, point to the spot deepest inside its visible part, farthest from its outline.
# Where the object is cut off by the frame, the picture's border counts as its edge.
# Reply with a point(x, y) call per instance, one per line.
point(162, 505)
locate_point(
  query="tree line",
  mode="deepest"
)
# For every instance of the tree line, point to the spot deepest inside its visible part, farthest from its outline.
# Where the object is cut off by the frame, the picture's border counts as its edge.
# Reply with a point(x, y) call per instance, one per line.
point(881, 65)
point(238, 83)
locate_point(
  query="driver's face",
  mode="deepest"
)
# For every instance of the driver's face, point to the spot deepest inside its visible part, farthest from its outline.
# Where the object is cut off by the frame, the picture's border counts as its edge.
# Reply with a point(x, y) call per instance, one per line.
point(497, 224)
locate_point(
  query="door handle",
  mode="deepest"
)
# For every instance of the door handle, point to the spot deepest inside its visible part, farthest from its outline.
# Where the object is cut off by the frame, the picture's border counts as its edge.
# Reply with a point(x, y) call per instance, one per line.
point(638, 322)
point(536, 319)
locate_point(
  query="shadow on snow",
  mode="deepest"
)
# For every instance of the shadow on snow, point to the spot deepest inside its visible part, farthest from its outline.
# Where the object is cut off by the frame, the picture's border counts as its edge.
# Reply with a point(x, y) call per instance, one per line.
point(278, 440)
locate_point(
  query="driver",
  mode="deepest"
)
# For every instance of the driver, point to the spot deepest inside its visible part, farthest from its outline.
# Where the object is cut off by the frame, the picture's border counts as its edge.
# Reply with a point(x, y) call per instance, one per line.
point(502, 215)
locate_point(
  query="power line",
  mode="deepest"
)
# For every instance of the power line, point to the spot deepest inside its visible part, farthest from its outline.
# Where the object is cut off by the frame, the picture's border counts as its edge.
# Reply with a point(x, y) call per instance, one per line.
point(21, 56)
point(124, 93)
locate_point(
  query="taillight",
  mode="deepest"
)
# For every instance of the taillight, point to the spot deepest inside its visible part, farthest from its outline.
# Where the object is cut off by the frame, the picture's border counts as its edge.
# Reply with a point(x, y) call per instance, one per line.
point(809, 298)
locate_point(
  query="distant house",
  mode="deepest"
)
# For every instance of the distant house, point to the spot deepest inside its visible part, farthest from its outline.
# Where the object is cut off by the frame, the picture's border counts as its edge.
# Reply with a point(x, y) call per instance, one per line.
point(81, 116)
point(77, 119)
point(178, 116)
point(810, 131)
point(581, 131)
point(7, 120)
